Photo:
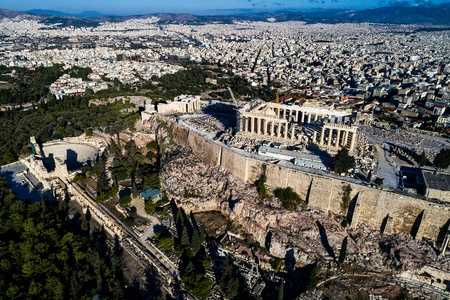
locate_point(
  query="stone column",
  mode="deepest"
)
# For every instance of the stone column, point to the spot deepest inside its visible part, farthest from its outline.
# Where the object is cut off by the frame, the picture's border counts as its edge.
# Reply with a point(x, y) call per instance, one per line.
point(352, 145)
point(295, 116)
point(314, 137)
point(338, 138)
point(258, 120)
point(330, 136)
point(316, 117)
point(279, 129)
point(286, 130)
point(309, 118)
point(292, 132)
point(344, 138)
point(303, 117)
point(244, 124)
point(272, 128)
point(322, 136)
point(252, 120)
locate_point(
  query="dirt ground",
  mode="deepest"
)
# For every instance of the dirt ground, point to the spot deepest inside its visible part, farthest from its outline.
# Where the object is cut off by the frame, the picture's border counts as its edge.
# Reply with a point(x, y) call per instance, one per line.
point(215, 223)
point(353, 283)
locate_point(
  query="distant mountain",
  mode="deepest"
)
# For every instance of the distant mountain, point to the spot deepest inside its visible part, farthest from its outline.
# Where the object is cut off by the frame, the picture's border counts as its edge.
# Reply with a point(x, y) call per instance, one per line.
point(81, 15)
point(423, 14)
point(12, 14)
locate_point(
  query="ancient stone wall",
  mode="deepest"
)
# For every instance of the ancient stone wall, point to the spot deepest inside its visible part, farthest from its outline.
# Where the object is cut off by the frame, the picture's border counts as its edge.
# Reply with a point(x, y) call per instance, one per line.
point(378, 209)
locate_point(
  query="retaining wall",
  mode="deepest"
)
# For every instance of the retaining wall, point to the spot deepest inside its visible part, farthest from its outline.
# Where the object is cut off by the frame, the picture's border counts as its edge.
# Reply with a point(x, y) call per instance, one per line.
point(369, 206)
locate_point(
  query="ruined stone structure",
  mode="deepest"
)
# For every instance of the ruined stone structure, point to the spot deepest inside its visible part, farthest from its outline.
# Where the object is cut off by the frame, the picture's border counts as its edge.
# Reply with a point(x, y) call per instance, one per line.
point(180, 104)
point(329, 128)
point(378, 209)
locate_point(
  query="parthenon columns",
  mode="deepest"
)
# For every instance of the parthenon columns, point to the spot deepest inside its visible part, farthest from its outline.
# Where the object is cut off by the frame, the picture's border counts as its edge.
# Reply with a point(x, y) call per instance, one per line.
point(338, 137)
point(322, 135)
point(352, 145)
point(330, 136)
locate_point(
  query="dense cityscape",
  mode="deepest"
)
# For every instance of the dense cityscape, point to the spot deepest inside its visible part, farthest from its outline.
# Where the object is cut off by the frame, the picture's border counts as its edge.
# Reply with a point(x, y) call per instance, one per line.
point(154, 158)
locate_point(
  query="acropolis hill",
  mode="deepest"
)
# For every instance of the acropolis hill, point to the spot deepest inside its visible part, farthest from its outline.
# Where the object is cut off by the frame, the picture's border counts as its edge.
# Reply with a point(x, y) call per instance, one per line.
point(378, 209)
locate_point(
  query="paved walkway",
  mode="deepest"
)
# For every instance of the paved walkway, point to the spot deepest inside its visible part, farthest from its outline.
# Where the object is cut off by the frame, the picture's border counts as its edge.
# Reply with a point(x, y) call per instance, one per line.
point(386, 167)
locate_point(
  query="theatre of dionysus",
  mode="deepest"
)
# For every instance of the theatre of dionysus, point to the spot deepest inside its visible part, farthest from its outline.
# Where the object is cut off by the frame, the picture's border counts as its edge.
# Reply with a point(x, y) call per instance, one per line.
point(327, 127)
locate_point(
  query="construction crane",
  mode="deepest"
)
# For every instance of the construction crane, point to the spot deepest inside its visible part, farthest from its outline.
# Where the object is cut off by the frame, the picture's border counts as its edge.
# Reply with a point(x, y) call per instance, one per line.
point(232, 95)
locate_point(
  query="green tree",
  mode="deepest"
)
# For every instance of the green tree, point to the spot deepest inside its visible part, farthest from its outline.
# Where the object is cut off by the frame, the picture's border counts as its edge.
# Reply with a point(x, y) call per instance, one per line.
point(184, 237)
point(198, 284)
point(276, 263)
point(167, 244)
point(442, 159)
point(369, 176)
point(378, 181)
point(196, 242)
point(260, 185)
point(288, 197)
point(88, 132)
point(281, 290)
point(179, 219)
point(312, 280)
point(207, 263)
point(149, 207)
point(229, 282)
point(343, 252)
point(125, 201)
point(422, 159)
point(342, 161)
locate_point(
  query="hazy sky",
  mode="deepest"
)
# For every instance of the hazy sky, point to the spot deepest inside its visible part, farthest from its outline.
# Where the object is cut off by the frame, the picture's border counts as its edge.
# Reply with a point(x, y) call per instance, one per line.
point(122, 7)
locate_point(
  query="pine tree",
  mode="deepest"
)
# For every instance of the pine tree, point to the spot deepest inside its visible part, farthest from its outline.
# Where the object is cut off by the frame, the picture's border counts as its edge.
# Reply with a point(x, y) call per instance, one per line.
point(202, 234)
point(196, 242)
point(343, 252)
point(184, 238)
point(179, 217)
point(369, 176)
point(281, 290)
point(312, 281)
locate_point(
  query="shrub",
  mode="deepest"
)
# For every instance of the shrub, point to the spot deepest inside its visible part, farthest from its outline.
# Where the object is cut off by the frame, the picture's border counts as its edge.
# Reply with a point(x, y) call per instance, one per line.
point(288, 198)
point(261, 187)
point(276, 263)
point(166, 244)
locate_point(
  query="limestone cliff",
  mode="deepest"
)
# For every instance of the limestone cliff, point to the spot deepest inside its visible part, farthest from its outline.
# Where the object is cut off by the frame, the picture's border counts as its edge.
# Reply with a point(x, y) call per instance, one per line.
point(309, 234)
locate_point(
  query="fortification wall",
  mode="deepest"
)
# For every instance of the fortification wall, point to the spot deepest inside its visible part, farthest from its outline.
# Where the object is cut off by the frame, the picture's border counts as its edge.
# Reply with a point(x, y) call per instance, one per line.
point(421, 218)
point(208, 151)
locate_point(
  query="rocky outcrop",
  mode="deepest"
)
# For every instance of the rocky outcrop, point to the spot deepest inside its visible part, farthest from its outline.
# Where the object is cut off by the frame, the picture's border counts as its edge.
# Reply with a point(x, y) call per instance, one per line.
point(305, 234)
point(308, 235)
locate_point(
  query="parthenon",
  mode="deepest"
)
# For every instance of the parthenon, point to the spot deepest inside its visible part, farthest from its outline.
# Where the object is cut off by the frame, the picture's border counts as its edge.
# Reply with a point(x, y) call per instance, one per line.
point(327, 127)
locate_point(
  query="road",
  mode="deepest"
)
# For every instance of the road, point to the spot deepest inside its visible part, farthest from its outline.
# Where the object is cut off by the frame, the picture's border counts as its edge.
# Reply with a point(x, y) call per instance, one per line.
point(386, 167)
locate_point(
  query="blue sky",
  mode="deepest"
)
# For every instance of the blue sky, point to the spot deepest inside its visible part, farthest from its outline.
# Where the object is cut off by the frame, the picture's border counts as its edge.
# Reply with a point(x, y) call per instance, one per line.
point(122, 7)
